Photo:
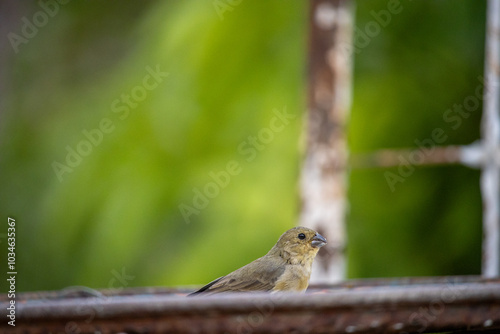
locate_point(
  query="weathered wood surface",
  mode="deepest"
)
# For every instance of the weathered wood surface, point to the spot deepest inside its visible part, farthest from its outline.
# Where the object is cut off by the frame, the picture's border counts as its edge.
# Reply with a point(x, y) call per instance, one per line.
point(412, 305)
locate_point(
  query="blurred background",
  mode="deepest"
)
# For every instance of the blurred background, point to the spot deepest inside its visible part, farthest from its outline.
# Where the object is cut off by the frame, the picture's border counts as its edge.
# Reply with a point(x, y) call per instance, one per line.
point(115, 117)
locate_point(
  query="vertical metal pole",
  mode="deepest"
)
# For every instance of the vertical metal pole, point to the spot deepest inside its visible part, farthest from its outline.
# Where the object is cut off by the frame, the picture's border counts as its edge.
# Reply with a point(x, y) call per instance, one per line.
point(324, 173)
point(490, 178)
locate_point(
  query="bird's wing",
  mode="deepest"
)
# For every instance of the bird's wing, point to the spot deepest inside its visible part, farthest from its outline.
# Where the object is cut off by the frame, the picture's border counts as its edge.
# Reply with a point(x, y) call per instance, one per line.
point(259, 275)
point(206, 287)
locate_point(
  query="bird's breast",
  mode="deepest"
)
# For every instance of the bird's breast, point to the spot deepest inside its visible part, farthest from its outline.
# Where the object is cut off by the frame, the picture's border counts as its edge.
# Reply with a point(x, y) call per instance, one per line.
point(295, 278)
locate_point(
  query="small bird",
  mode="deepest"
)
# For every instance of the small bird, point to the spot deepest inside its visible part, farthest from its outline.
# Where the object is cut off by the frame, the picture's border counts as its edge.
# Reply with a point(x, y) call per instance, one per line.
point(286, 267)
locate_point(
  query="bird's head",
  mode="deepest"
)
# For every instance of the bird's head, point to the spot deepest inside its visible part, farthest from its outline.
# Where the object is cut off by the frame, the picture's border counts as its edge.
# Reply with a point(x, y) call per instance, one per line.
point(299, 244)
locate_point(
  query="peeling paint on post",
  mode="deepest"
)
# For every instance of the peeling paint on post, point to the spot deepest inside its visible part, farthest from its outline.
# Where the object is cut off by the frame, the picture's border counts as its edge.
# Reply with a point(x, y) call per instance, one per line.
point(324, 173)
point(490, 177)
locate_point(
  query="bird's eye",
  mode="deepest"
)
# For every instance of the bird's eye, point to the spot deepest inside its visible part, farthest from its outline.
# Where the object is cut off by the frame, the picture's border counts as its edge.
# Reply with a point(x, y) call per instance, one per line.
point(301, 236)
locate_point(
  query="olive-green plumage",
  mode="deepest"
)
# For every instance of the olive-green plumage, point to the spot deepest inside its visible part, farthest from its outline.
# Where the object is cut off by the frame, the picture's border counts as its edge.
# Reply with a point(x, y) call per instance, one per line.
point(286, 267)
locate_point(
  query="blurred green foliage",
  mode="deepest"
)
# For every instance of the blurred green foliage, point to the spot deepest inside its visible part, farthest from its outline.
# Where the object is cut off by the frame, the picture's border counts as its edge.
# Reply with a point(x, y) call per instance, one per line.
point(118, 209)
point(427, 60)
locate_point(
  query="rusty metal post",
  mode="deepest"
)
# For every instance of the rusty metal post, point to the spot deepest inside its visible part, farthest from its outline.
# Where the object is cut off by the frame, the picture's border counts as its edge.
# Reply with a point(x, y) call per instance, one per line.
point(490, 178)
point(324, 176)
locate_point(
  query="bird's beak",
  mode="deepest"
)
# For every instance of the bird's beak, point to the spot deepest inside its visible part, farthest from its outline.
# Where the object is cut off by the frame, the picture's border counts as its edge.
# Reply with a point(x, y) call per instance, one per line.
point(318, 241)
